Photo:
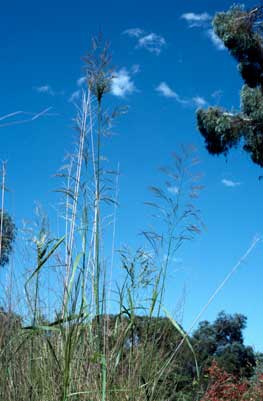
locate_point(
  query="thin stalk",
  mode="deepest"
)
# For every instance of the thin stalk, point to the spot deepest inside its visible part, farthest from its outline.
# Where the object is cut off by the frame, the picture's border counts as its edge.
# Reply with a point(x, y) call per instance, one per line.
point(114, 229)
point(97, 216)
point(83, 131)
point(2, 206)
point(170, 244)
point(67, 224)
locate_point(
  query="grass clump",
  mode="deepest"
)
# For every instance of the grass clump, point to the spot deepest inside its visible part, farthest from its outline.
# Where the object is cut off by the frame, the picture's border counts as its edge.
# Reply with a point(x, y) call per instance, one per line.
point(85, 348)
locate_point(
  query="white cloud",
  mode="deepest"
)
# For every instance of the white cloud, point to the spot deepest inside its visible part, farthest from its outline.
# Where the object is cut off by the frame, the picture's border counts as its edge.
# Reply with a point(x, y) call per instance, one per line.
point(152, 42)
point(174, 190)
point(134, 32)
point(74, 96)
point(203, 20)
point(217, 95)
point(218, 43)
point(135, 69)
point(45, 89)
point(230, 183)
point(173, 259)
point(196, 20)
point(166, 91)
point(199, 101)
point(122, 84)
point(81, 81)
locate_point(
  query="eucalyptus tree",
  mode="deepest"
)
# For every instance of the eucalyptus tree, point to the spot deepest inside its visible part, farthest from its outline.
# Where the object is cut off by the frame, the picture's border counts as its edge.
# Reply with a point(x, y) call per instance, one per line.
point(241, 32)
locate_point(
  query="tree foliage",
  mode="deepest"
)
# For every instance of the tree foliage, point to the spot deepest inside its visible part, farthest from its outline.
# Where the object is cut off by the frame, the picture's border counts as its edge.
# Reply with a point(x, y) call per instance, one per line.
point(225, 373)
point(219, 343)
point(222, 341)
point(241, 32)
point(7, 237)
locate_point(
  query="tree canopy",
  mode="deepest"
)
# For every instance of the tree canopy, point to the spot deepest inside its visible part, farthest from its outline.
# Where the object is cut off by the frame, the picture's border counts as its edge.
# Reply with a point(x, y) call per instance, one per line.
point(222, 341)
point(7, 238)
point(241, 32)
point(219, 342)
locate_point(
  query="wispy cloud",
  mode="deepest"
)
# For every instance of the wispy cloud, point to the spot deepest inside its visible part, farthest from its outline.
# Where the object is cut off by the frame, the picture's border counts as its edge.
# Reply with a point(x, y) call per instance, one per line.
point(217, 95)
point(173, 259)
point(29, 117)
point(74, 96)
point(46, 89)
point(173, 190)
point(218, 43)
point(135, 69)
point(203, 21)
point(134, 32)
point(196, 20)
point(230, 183)
point(81, 81)
point(199, 101)
point(122, 83)
point(166, 91)
point(150, 41)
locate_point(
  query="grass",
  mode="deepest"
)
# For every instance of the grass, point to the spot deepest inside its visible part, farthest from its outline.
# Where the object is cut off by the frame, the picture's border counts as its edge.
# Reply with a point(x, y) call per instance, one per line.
point(80, 351)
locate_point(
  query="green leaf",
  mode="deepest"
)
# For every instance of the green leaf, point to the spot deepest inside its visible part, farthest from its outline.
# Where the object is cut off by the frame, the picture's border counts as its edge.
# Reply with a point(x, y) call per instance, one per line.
point(185, 337)
point(45, 259)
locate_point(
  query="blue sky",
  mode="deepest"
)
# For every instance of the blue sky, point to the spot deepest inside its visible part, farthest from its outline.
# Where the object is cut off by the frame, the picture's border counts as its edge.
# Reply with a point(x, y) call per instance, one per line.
point(167, 63)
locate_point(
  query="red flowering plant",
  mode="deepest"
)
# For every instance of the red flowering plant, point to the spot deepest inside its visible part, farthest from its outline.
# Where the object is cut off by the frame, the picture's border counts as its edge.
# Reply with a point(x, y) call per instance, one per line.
point(224, 386)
